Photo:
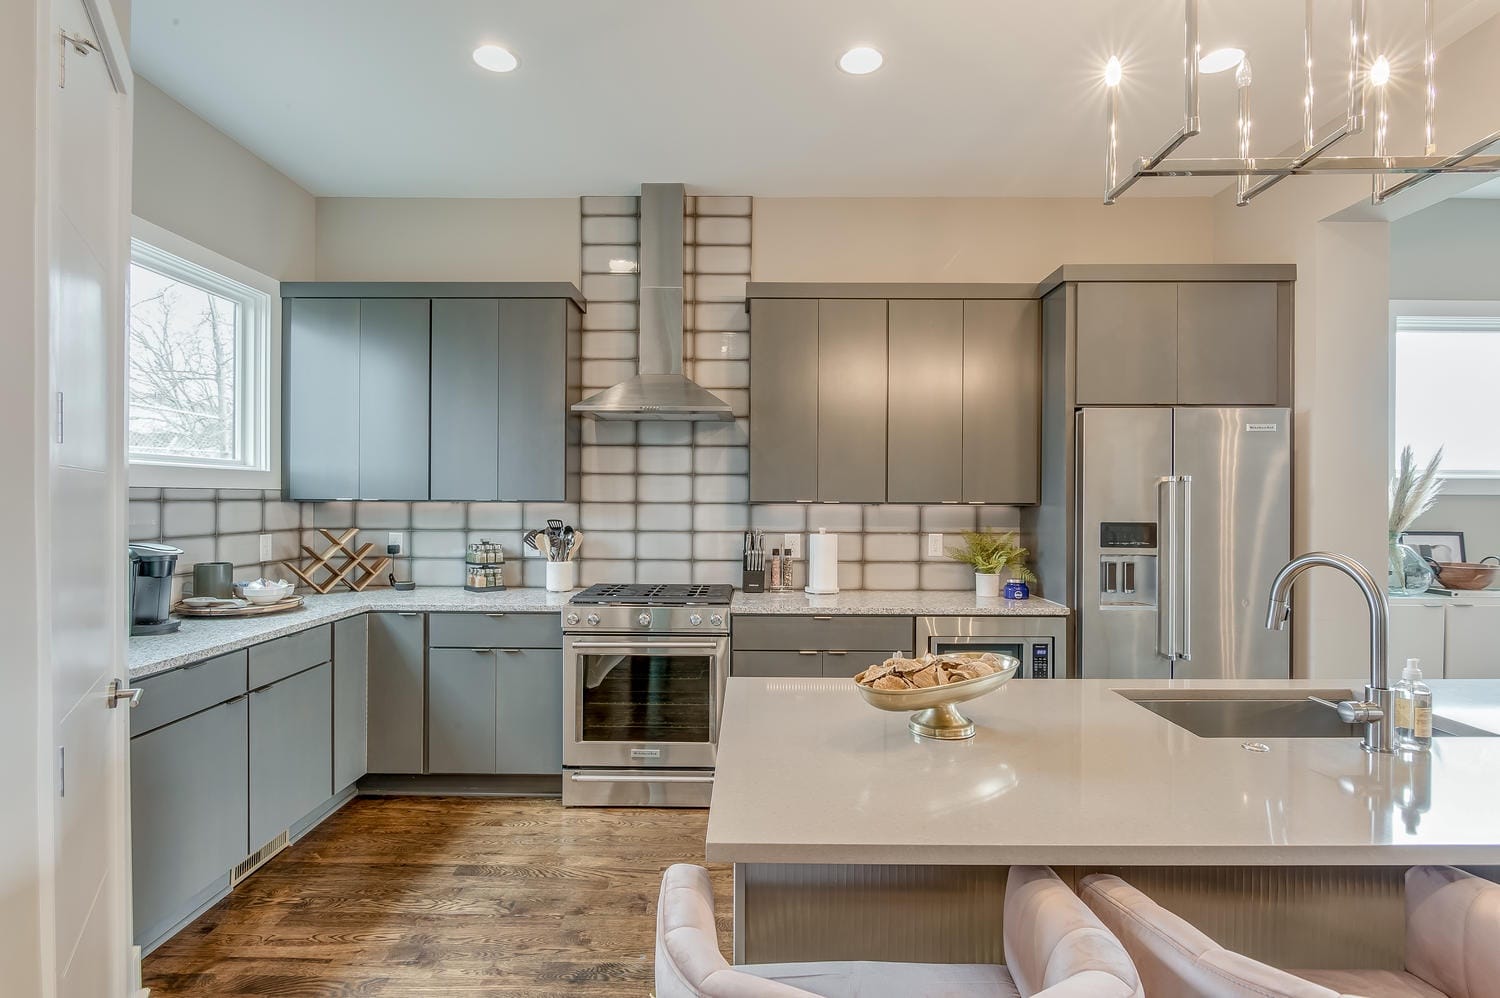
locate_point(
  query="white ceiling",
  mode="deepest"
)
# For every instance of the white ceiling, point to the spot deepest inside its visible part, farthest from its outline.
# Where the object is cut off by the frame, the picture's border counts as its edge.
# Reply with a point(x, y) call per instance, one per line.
point(977, 97)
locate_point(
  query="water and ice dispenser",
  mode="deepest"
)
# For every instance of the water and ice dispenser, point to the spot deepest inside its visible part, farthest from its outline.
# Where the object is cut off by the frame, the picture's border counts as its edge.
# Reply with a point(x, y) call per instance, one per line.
point(1127, 564)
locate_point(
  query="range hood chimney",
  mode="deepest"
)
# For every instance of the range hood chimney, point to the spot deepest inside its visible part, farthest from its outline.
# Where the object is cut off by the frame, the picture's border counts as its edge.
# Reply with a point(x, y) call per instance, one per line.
point(660, 390)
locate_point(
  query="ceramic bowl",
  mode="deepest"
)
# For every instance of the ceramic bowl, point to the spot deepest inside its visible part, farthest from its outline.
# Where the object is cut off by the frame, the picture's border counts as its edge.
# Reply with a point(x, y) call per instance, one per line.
point(265, 593)
point(1467, 575)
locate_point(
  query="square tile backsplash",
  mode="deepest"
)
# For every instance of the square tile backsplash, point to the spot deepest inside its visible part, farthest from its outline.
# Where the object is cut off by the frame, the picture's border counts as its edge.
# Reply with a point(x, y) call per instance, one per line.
point(661, 502)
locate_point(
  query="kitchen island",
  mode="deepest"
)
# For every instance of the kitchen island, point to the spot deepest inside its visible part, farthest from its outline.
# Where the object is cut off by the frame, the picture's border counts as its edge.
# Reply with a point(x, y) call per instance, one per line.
point(826, 807)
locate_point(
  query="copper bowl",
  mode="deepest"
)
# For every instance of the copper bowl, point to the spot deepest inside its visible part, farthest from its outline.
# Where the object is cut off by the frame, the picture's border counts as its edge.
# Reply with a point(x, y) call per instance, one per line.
point(1467, 574)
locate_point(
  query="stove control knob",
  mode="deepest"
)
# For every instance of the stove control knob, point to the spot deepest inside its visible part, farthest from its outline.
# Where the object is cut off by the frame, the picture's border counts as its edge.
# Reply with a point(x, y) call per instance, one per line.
point(644, 620)
point(695, 620)
point(572, 619)
point(717, 620)
point(593, 620)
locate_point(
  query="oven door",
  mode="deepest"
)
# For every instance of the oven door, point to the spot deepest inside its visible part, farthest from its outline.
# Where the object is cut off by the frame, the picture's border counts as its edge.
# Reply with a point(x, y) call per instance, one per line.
point(642, 701)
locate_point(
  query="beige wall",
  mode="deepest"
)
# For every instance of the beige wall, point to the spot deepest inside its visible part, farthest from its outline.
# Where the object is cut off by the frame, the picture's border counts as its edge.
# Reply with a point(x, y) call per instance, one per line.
point(969, 239)
point(194, 180)
point(1450, 252)
point(448, 239)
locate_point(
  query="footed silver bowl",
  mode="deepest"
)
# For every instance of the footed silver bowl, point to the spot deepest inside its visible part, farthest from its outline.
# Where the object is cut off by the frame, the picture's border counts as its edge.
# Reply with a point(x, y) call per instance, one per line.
point(936, 714)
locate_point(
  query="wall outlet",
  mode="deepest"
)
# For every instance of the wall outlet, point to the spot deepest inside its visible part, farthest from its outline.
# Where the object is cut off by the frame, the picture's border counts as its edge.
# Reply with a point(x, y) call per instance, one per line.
point(397, 540)
point(935, 545)
point(265, 547)
point(792, 544)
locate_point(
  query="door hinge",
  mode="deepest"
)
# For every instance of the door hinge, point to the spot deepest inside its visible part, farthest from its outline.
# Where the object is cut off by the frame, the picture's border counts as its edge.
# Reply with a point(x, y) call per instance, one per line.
point(82, 44)
point(59, 417)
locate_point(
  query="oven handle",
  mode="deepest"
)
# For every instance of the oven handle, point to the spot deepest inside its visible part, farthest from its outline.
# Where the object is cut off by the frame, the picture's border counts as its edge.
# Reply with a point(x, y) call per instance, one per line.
point(616, 645)
point(599, 778)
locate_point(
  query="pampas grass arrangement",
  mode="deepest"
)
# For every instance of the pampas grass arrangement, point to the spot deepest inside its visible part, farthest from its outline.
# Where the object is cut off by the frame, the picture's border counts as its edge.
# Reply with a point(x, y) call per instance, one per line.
point(1412, 491)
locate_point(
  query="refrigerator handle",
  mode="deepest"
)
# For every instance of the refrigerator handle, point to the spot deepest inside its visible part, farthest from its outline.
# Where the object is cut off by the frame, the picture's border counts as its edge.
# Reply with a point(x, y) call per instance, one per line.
point(1187, 567)
point(1166, 560)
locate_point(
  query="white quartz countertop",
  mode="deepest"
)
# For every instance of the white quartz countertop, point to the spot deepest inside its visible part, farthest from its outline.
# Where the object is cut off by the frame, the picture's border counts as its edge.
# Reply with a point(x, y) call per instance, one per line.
point(205, 637)
point(1070, 772)
point(895, 603)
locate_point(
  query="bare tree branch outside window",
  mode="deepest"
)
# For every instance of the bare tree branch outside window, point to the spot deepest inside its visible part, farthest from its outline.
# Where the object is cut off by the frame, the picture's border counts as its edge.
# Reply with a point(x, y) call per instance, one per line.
point(182, 369)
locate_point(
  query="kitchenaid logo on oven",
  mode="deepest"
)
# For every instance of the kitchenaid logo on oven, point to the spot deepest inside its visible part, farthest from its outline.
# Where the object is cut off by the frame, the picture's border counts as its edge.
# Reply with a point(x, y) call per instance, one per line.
point(645, 753)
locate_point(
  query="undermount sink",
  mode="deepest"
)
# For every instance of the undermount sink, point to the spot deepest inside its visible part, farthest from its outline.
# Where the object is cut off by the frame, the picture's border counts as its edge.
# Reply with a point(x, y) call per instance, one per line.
point(1258, 713)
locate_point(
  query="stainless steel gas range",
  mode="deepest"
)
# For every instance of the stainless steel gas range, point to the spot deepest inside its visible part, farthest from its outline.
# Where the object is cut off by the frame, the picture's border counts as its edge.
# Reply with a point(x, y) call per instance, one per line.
point(644, 668)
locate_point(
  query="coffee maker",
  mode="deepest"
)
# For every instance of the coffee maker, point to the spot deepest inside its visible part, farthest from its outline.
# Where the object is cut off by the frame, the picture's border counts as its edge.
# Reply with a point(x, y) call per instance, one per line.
point(150, 582)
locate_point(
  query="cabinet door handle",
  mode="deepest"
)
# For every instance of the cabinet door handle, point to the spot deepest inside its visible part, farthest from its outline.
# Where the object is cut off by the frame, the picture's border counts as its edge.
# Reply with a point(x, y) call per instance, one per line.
point(511, 651)
point(484, 651)
point(831, 652)
point(807, 653)
point(494, 616)
point(823, 617)
point(405, 613)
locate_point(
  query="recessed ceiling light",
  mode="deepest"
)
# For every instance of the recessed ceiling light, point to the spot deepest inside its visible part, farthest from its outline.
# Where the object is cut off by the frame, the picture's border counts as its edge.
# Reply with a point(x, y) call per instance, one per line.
point(861, 60)
point(495, 59)
point(1221, 59)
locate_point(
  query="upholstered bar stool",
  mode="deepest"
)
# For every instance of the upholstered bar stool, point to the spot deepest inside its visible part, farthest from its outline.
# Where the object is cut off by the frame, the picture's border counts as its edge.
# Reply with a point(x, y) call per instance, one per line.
point(1452, 946)
point(1054, 948)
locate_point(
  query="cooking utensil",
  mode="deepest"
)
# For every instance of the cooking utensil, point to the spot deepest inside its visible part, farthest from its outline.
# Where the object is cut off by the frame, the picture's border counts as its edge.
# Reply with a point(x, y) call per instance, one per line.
point(936, 716)
point(530, 540)
point(568, 533)
point(577, 541)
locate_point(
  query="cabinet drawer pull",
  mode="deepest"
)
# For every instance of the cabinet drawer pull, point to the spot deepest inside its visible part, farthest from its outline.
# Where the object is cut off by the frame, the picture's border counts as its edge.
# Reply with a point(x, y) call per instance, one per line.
point(511, 651)
point(484, 651)
point(831, 652)
point(406, 613)
point(823, 617)
point(494, 616)
point(807, 653)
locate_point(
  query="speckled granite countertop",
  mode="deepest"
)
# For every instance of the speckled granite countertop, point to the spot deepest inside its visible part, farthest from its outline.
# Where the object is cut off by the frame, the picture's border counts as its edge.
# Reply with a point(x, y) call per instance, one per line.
point(895, 603)
point(201, 638)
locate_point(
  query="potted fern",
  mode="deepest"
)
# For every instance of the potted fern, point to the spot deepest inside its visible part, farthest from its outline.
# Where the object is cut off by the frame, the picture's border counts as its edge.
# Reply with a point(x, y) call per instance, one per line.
point(1413, 491)
point(990, 553)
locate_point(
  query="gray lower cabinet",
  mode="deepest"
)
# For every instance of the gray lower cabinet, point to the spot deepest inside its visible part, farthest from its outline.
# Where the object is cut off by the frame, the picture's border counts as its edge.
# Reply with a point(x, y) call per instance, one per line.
point(530, 711)
point(784, 398)
point(397, 678)
point(927, 401)
point(852, 379)
point(462, 718)
point(189, 813)
point(351, 687)
point(846, 663)
point(1002, 402)
point(291, 751)
point(806, 664)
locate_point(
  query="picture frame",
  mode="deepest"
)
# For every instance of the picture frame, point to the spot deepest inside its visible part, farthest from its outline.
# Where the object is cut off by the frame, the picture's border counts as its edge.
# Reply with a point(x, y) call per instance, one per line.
point(1439, 545)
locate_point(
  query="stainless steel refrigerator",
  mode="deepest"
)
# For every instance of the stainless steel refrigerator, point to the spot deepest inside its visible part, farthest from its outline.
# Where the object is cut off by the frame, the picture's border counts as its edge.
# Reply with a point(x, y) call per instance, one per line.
point(1185, 516)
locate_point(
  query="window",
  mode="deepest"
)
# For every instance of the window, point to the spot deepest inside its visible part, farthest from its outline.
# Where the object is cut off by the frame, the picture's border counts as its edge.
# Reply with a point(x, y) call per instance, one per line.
point(1446, 373)
point(200, 370)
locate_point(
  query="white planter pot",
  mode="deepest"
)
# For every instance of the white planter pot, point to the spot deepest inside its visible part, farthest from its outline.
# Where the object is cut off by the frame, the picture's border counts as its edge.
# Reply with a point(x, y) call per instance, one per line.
point(562, 576)
point(986, 586)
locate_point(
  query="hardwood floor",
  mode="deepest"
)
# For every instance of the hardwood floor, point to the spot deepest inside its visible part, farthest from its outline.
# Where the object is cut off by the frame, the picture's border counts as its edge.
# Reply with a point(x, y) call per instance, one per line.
point(422, 896)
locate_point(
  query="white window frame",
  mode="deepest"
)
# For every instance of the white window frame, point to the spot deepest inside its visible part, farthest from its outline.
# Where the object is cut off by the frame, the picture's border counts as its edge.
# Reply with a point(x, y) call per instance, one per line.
point(1456, 312)
point(257, 360)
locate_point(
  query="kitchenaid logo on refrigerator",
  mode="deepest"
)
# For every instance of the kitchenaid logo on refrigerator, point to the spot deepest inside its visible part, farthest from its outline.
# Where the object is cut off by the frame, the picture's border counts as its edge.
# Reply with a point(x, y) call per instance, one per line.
point(1262, 427)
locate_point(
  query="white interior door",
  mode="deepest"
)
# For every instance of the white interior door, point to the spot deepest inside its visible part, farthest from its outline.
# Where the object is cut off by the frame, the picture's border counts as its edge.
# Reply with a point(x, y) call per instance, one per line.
point(87, 238)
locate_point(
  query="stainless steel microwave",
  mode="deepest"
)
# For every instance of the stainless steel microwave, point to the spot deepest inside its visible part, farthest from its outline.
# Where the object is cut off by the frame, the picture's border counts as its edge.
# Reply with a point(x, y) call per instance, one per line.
point(1039, 643)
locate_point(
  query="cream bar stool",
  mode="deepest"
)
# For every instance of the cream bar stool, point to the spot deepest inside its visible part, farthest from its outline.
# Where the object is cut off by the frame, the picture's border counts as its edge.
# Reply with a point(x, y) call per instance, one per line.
point(1054, 948)
point(1452, 946)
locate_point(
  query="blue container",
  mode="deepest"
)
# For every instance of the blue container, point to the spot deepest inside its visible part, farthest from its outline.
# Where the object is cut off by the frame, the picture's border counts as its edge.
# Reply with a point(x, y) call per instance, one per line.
point(1016, 589)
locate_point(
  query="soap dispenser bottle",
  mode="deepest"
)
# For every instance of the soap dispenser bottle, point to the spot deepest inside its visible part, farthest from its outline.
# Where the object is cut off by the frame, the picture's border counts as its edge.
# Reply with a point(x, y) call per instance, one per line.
point(1413, 701)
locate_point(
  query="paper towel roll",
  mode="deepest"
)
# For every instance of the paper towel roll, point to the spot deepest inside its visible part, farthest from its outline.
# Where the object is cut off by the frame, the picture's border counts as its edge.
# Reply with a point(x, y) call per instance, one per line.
point(822, 563)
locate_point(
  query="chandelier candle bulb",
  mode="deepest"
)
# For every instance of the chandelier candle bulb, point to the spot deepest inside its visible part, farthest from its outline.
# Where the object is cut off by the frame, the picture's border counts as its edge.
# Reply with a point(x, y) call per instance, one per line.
point(1242, 84)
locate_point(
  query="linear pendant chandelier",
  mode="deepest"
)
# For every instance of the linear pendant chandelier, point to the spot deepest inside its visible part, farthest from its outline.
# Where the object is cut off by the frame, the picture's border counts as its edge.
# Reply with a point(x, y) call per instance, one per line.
point(1254, 175)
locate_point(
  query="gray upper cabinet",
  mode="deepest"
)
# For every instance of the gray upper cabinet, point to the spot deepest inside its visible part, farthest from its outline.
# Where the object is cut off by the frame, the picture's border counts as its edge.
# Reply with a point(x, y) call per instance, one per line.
point(351, 639)
point(465, 402)
point(1184, 343)
point(394, 348)
point(851, 424)
point(926, 401)
point(784, 401)
point(397, 677)
point(1228, 343)
point(189, 813)
point(291, 751)
point(1002, 401)
point(1127, 343)
point(455, 392)
point(320, 398)
point(502, 370)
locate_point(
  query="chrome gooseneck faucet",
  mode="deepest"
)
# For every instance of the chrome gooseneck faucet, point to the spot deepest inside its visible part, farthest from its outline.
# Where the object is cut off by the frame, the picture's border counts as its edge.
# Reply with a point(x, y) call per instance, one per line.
point(1377, 710)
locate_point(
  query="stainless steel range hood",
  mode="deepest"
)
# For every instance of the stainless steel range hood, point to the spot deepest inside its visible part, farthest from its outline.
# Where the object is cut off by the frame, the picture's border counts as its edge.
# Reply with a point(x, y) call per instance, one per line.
point(660, 390)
